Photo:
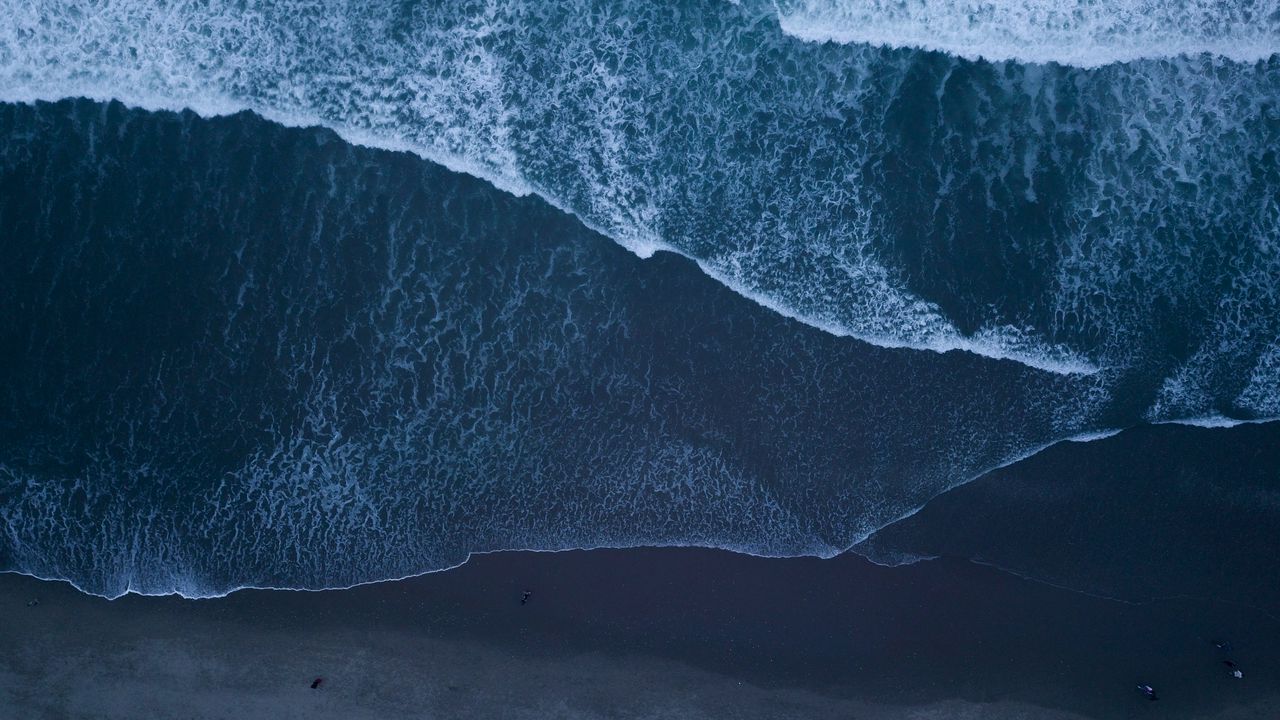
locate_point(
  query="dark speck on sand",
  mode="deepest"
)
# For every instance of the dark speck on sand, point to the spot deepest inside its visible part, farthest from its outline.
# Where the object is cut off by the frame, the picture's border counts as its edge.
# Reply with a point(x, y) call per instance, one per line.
point(651, 633)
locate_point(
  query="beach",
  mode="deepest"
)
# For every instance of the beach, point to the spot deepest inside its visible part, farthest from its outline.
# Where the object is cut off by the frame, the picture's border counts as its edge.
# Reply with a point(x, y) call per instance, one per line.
point(642, 633)
point(800, 359)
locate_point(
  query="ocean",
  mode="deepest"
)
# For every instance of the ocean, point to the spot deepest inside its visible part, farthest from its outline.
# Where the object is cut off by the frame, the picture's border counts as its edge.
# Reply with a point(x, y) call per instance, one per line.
point(306, 295)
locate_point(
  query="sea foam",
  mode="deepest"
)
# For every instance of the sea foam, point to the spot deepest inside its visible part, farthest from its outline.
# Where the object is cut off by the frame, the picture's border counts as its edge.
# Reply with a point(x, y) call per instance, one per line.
point(1110, 230)
point(788, 171)
point(1083, 33)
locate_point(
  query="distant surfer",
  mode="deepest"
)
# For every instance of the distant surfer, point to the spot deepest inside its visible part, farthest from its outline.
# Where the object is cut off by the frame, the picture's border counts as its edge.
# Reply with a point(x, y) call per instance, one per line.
point(524, 597)
point(1222, 645)
point(33, 602)
point(1148, 692)
point(315, 684)
point(1233, 669)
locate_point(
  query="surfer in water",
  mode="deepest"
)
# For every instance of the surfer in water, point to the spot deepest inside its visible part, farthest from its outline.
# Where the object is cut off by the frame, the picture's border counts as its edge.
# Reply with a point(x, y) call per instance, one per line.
point(1148, 692)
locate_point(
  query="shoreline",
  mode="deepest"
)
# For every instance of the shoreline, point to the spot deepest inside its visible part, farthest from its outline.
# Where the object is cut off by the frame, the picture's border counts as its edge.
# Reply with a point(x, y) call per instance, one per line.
point(1034, 460)
point(682, 633)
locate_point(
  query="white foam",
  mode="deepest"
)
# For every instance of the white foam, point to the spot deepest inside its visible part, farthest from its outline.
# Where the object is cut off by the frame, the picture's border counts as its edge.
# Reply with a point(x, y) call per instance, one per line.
point(1004, 344)
point(606, 172)
point(1261, 395)
point(1083, 33)
point(1215, 421)
point(885, 557)
point(659, 145)
point(445, 91)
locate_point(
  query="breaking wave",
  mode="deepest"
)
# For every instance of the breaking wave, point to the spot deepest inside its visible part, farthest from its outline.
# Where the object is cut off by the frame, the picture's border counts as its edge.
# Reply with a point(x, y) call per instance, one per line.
point(353, 365)
point(833, 183)
point(245, 355)
point(1083, 33)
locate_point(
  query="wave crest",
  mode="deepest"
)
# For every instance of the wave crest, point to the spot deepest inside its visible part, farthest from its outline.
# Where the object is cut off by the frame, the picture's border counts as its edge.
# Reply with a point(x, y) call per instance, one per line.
point(1053, 216)
point(1083, 33)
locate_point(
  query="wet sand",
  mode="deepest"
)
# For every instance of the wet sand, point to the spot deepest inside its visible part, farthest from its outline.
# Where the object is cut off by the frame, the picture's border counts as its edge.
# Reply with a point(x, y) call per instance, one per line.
point(645, 633)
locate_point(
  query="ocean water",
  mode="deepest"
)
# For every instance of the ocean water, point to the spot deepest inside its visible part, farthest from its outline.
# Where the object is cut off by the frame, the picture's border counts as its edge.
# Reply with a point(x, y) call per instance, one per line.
point(305, 294)
point(1154, 513)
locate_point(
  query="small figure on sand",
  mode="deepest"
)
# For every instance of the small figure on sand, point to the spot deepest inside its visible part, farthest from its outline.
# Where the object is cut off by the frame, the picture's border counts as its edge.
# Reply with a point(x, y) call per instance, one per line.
point(524, 597)
point(1148, 692)
point(1233, 669)
point(315, 684)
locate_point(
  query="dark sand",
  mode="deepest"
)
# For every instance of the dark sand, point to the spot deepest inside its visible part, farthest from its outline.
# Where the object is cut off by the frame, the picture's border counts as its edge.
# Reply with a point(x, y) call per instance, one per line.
point(670, 633)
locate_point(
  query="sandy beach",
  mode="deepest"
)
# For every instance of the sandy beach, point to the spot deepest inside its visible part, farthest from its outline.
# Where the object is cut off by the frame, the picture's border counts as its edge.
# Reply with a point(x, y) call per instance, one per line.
point(666, 633)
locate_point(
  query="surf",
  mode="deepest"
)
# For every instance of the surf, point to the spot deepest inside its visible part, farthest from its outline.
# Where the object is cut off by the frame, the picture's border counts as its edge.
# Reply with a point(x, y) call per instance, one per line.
point(1080, 33)
point(820, 247)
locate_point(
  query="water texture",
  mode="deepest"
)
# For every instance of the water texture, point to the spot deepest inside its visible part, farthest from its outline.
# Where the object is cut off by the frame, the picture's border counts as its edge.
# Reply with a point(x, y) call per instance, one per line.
point(1050, 214)
point(239, 353)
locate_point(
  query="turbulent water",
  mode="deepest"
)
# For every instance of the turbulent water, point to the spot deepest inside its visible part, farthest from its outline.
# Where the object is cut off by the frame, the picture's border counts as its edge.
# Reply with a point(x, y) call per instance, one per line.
point(1154, 512)
point(238, 351)
point(1086, 33)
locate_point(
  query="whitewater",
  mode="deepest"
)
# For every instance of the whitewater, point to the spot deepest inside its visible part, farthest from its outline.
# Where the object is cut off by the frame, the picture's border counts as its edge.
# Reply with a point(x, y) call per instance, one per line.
point(1085, 199)
point(566, 101)
point(1083, 33)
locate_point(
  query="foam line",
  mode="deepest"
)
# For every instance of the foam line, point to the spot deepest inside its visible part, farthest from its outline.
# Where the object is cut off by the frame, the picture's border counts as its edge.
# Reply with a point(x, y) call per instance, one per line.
point(410, 96)
point(191, 593)
point(1081, 33)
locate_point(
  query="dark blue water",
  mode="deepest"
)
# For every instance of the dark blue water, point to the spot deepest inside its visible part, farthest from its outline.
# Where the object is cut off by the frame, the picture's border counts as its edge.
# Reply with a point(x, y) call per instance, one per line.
point(238, 353)
point(1079, 216)
point(1153, 513)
